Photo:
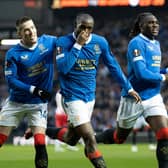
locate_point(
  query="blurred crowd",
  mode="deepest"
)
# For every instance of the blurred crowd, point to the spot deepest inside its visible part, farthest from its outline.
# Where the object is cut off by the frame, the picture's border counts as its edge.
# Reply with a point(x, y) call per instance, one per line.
point(108, 90)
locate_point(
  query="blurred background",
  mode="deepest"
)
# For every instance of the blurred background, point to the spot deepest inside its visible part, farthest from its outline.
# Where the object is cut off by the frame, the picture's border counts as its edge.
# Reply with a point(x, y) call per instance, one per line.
point(113, 19)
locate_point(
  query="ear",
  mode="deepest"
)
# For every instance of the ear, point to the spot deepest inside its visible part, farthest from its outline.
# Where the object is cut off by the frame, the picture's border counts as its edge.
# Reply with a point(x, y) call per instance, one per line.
point(75, 23)
point(141, 26)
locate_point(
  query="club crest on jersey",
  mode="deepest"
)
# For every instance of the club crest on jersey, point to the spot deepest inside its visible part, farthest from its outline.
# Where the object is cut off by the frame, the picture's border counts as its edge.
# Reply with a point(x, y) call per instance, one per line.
point(42, 48)
point(58, 50)
point(97, 49)
point(136, 53)
point(150, 47)
point(24, 57)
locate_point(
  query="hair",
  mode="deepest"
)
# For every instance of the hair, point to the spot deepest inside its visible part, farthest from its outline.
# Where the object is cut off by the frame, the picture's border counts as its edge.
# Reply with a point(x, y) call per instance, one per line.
point(138, 21)
point(21, 21)
point(82, 16)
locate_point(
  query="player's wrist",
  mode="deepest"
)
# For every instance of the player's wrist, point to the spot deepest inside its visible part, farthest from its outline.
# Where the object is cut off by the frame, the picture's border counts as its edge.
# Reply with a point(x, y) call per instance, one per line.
point(77, 46)
point(130, 90)
point(32, 88)
point(163, 77)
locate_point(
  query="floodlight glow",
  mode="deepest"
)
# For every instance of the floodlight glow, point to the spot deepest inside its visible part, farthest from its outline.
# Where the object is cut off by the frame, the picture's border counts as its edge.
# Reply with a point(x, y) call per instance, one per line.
point(9, 41)
point(133, 2)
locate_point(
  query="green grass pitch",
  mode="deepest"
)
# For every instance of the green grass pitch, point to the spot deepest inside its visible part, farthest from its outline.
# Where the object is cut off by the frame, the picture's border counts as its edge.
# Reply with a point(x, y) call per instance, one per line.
point(116, 156)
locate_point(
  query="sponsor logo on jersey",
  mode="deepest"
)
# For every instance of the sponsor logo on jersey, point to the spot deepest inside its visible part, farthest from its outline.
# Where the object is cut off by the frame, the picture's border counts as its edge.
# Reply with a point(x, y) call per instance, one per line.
point(24, 57)
point(37, 69)
point(150, 47)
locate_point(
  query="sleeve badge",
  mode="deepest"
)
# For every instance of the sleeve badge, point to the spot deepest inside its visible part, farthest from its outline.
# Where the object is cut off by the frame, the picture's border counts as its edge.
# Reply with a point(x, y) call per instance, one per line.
point(58, 50)
point(136, 52)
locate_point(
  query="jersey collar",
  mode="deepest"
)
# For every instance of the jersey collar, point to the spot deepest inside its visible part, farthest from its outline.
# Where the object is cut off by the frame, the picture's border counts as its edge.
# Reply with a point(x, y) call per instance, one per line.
point(30, 48)
point(146, 38)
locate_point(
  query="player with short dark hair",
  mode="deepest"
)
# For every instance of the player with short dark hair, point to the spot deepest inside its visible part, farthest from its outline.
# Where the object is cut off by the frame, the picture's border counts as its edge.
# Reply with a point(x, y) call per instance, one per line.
point(29, 74)
point(144, 61)
point(77, 61)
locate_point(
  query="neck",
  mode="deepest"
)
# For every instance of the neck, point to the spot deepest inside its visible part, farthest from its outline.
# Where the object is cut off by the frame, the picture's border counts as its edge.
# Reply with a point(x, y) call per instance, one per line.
point(32, 46)
point(149, 36)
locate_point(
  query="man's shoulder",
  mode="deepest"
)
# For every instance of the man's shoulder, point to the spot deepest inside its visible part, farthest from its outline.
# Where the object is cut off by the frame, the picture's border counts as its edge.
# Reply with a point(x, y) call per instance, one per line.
point(136, 40)
point(66, 39)
point(13, 49)
point(47, 36)
point(67, 36)
point(98, 38)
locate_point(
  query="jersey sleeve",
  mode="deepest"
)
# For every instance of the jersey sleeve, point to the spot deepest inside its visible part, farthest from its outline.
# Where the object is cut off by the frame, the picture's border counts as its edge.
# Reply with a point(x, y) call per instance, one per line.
point(11, 74)
point(54, 39)
point(114, 67)
point(66, 58)
point(136, 55)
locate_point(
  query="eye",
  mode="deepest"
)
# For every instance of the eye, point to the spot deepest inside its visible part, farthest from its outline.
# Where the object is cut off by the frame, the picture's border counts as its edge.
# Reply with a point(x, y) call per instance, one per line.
point(85, 27)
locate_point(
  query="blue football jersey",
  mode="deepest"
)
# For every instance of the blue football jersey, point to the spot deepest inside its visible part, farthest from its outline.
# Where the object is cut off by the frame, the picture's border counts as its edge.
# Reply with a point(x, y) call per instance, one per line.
point(77, 67)
point(144, 61)
point(30, 66)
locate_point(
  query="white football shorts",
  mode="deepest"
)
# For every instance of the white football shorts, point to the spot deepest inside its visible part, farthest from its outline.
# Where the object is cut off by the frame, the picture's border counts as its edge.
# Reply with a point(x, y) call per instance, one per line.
point(129, 111)
point(78, 111)
point(140, 122)
point(12, 113)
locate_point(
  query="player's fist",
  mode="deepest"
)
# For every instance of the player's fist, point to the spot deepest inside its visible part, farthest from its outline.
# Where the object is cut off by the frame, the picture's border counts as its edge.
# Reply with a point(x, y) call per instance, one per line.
point(43, 94)
point(28, 133)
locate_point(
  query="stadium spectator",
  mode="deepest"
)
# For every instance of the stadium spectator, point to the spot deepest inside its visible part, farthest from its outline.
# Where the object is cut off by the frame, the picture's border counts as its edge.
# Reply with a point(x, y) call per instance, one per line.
point(77, 59)
point(29, 74)
point(144, 61)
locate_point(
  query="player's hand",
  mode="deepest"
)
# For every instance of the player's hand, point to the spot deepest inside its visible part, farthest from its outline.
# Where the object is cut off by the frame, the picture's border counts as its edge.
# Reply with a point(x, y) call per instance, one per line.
point(135, 95)
point(82, 37)
point(43, 94)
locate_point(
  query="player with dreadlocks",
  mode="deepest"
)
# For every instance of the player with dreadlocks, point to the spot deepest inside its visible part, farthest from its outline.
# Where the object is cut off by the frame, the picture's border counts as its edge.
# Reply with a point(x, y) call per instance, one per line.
point(144, 60)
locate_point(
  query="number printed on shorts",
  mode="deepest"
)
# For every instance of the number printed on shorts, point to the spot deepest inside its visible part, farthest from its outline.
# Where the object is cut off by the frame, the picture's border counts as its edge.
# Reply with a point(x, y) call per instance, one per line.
point(43, 114)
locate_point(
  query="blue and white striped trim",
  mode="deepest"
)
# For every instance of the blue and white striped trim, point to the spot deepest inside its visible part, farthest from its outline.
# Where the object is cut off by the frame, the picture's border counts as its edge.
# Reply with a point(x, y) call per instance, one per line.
point(60, 56)
point(137, 58)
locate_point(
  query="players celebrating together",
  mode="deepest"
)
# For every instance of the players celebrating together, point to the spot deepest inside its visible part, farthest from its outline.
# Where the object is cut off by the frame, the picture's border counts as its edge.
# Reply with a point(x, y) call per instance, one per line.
point(29, 74)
